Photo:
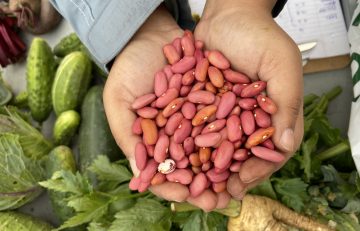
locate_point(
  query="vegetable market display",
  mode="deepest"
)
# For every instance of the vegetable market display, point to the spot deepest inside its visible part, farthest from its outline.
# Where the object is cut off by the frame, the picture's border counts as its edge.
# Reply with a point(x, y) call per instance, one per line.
point(90, 191)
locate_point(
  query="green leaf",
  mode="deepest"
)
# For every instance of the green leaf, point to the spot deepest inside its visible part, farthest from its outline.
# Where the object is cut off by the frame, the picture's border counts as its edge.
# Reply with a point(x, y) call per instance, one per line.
point(329, 135)
point(199, 220)
point(145, 215)
point(97, 226)
point(292, 192)
point(264, 189)
point(307, 148)
point(107, 171)
point(68, 182)
point(194, 222)
point(18, 174)
point(352, 206)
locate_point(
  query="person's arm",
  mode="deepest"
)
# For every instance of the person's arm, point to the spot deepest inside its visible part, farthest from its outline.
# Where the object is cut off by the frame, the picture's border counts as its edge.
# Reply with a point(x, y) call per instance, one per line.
point(105, 26)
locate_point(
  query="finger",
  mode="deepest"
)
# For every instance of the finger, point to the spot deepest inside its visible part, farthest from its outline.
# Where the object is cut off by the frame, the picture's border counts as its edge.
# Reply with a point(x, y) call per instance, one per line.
point(171, 191)
point(223, 200)
point(207, 201)
point(254, 169)
point(235, 186)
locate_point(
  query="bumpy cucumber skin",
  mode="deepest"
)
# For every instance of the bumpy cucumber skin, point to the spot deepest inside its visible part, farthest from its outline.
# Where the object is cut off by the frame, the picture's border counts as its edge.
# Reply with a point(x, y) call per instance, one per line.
point(95, 137)
point(72, 80)
point(67, 45)
point(60, 158)
point(65, 127)
point(40, 71)
point(15, 221)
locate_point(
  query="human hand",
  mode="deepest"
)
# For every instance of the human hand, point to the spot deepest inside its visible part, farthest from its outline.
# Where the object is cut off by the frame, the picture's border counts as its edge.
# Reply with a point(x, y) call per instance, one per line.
point(245, 32)
point(131, 76)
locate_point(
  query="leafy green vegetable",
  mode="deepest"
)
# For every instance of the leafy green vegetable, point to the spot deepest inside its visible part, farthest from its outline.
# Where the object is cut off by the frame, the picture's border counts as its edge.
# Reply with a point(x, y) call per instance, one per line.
point(198, 220)
point(307, 148)
point(14, 221)
point(5, 92)
point(18, 174)
point(265, 189)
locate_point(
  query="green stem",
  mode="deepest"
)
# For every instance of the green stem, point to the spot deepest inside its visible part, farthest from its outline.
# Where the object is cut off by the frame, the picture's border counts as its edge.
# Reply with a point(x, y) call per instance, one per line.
point(308, 99)
point(308, 109)
point(334, 151)
point(330, 95)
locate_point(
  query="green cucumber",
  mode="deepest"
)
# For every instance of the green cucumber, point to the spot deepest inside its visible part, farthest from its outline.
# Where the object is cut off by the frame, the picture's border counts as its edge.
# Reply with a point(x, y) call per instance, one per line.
point(60, 158)
point(72, 80)
point(15, 221)
point(40, 71)
point(95, 137)
point(65, 127)
point(67, 45)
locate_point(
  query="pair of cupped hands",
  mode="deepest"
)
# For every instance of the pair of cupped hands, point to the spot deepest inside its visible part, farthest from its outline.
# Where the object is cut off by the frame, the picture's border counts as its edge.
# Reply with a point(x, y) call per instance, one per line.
point(245, 32)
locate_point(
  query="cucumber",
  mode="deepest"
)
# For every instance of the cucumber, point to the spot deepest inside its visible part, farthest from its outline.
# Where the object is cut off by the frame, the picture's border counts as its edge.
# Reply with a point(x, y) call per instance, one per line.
point(95, 137)
point(68, 44)
point(72, 80)
point(15, 221)
point(60, 158)
point(40, 71)
point(65, 127)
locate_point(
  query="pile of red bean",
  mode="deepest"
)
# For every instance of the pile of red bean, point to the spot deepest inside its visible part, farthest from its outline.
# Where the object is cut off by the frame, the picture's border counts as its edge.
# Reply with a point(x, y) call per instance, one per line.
point(202, 121)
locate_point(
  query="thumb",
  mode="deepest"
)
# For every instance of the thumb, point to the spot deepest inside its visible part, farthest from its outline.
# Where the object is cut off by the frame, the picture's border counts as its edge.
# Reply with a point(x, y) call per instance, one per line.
point(285, 87)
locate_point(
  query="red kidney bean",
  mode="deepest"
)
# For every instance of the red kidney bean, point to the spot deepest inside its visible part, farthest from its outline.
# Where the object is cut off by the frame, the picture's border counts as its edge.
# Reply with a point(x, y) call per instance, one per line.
point(203, 115)
point(183, 131)
point(188, 110)
point(183, 163)
point(201, 69)
point(159, 178)
point(223, 132)
point(184, 91)
point(259, 136)
point(247, 122)
point(171, 54)
point(227, 87)
point(182, 176)
point(162, 132)
point(143, 101)
point(195, 169)
point(207, 140)
point(268, 144)
point(147, 112)
point(161, 149)
point(149, 171)
point(217, 177)
point(217, 59)
point(267, 154)
point(143, 186)
point(217, 100)
point(199, 55)
point(173, 123)
point(224, 154)
point(177, 44)
point(160, 83)
point(198, 86)
point(227, 103)
point(237, 88)
point(234, 131)
point(134, 183)
point(185, 64)
point(175, 82)
point(195, 159)
point(215, 126)
point(236, 111)
point(136, 127)
point(173, 107)
point(262, 119)
point(235, 77)
point(168, 72)
point(213, 155)
point(198, 185)
point(176, 150)
point(199, 107)
point(206, 166)
point(140, 156)
point(167, 97)
point(150, 132)
point(210, 87)
point(204, 154)
point(160, 120)
point(241, 154)
point(150, 150)
point(237, 144)
point(235, 167)
point(266, 104)
point(220, 170)
point(197, 130)
point(188, 78)
point(215, 76)
point(248, 103)
point(253, 89)
point(188, 46)
point(219, 187)
point(202, 97)
point(189, 145)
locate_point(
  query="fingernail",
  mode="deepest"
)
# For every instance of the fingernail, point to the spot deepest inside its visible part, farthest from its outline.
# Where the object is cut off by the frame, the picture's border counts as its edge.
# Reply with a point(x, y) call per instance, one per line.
point(287, 139)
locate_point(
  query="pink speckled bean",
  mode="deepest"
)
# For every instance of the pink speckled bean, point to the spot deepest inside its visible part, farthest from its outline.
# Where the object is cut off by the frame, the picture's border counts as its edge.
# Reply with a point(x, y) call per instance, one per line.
point(185, 64)
point(183, 131)
point(253, 89)
point(176, 150)
point(189, 145)
point(188, 46)
point(197, 130)
point(183, 163)
point(227, 103)
point(233, 128)
point(184, 91)
point(173, 123)
point(207, 140)
point(241, 154)
point(217, 177)
point(134, 183)
point(235, 77)
point(140, 156)
point(149, 171)
point(175, 82)
point(161, 148)
point(235, 167)
point(247, 122)
point(262, 119)
point(182, 176)
point(160, 83)
point(237, 88)
point(136, 127)
point(167, 97)
point(177, 44)
point(267, 154)
point(168, 72)
point(198, 185)
point(188, 78)
point(147, 112)
point(224, 154)
point(188, 110)
point(248, 103)
point(268, 144)
point(202, 97)
point(142, 101)
point(217, 59)
point(215, 126)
